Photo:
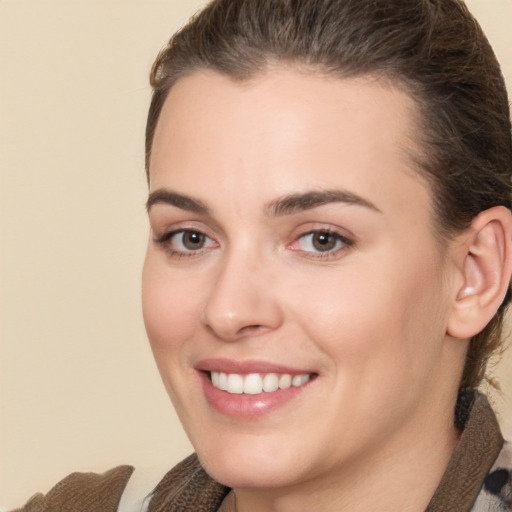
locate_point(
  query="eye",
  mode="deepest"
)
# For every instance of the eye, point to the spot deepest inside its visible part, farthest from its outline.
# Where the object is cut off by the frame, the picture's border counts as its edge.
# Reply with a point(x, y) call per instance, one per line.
point(321, 241)
point(189, 240)
point(185, 241)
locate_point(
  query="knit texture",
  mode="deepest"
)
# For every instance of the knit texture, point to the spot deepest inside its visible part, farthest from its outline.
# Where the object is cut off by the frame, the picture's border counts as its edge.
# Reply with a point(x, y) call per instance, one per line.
point(83, 492)
point(479, 446)
point(187, 487)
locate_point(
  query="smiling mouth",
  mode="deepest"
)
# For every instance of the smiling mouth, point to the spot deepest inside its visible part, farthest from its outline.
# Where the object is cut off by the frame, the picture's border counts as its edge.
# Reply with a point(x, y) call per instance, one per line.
point(256, 383)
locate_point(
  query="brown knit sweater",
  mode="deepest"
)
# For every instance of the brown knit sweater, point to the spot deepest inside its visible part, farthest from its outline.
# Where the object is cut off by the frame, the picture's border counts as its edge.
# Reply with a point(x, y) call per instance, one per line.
point(472, 475)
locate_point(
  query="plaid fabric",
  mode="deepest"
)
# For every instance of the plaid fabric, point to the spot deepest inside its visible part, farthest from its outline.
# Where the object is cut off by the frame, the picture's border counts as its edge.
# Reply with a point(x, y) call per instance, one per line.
point(496, 492)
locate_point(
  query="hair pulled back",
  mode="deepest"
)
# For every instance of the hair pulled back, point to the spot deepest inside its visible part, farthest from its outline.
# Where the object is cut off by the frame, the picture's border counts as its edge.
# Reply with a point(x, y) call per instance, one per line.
point(434, 49)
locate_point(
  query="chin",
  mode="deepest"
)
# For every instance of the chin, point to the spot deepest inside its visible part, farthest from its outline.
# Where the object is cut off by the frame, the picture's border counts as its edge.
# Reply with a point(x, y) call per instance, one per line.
point(244, 475)
point(252, 466)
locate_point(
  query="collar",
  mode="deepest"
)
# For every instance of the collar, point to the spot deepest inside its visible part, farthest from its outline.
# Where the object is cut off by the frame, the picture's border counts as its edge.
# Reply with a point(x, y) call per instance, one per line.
point(479, 446)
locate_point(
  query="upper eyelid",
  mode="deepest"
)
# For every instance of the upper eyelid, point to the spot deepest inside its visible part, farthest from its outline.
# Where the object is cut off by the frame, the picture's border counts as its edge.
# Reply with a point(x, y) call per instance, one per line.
point(185, 225)
point(209, 227)
point(316, 227)
point(172, 232)
point(344, 238)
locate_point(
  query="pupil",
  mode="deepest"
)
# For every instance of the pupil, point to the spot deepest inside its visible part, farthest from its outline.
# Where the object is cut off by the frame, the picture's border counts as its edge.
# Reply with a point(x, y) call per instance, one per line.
point(324, 241)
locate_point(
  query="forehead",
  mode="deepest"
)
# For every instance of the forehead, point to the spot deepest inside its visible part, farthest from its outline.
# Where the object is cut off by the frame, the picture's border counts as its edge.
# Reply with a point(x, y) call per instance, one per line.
point(286, 130)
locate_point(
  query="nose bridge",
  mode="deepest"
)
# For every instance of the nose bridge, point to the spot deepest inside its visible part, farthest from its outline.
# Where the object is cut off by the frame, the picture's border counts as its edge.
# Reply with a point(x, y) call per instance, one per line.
point(241, 300)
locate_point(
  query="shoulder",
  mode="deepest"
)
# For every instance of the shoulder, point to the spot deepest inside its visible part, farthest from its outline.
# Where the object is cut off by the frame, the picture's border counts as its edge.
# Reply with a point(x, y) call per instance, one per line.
point(83, 492)
point(186, 487)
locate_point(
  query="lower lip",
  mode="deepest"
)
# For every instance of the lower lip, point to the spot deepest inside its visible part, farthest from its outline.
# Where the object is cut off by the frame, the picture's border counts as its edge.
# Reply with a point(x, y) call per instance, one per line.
point(248, 406)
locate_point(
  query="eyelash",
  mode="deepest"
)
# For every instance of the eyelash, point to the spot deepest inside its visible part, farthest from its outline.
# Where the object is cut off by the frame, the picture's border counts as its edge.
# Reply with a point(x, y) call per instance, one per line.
point(342, 243)
point(166, 241)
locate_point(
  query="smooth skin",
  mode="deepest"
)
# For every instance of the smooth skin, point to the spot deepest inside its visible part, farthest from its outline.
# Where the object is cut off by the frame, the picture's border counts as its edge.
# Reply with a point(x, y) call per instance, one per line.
point(356, 288)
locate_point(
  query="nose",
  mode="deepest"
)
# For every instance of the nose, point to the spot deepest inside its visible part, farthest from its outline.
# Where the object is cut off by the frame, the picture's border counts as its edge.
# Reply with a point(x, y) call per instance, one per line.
point(242, 301)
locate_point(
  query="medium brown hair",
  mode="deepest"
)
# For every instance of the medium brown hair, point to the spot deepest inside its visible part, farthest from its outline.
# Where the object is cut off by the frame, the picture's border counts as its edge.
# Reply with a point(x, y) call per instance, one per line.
point(434, 49)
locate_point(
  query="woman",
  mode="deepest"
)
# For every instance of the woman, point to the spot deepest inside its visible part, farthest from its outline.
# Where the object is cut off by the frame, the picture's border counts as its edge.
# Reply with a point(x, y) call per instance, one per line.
point(329, 260)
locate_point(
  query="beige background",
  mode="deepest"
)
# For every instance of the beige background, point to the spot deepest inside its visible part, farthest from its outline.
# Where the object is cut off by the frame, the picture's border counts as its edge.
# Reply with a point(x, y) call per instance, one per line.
point(78, 387)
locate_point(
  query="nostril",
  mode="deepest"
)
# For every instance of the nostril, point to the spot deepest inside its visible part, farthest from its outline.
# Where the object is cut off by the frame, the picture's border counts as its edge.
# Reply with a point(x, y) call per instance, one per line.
point(251, 329)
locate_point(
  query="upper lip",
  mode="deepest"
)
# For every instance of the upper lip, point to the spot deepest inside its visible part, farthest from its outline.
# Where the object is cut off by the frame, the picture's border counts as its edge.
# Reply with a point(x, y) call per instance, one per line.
point(245, 367)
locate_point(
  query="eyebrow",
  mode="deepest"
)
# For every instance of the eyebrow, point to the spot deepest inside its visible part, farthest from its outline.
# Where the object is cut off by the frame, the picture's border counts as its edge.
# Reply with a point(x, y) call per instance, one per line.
point(285, 205)
point(295, 203)
point(165, 196)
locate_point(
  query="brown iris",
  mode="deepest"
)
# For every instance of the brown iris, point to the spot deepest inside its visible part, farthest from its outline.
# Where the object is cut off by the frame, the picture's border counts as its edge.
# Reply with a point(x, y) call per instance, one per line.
point(193, 240)
point(324, 241)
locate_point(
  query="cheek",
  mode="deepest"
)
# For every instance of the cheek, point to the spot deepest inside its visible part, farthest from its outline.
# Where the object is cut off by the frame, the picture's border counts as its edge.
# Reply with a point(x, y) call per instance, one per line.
point(380, 332)
point(170, 310)
point(381, 315)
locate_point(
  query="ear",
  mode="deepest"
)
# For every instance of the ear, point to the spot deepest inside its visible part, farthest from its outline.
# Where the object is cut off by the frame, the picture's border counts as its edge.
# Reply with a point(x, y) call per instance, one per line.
point(485, 266)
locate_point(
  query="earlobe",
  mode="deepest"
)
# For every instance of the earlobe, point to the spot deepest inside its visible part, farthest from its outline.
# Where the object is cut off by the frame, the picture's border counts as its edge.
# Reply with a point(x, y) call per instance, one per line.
point(486, 267)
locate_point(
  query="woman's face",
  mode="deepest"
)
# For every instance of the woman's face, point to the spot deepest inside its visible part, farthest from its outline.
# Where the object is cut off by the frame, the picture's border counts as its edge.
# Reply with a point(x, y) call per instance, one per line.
point(292, 245)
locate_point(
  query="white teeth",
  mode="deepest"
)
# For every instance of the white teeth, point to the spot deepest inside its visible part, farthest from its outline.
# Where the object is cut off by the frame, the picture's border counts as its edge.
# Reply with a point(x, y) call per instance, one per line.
point(270, 382)
point(223, 381)
point(235, 384)
point(285, 381)
point(296, 381)
point(255, 383)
